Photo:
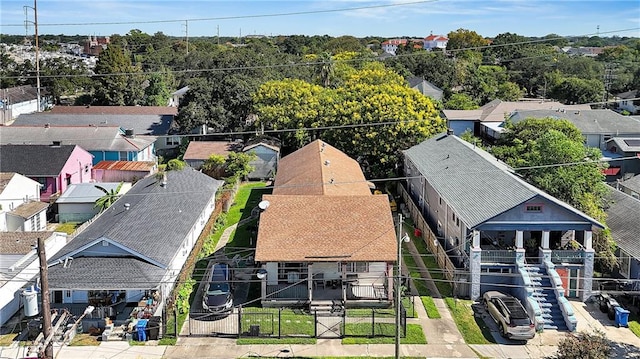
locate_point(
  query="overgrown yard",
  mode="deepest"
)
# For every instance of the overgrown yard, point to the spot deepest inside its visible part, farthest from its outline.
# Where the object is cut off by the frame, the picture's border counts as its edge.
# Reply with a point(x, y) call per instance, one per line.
point(67, 227)
point(84, 339)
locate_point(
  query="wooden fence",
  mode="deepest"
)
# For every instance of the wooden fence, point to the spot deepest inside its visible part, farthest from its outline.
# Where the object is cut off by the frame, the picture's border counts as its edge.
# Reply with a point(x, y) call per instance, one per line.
point(454, 275)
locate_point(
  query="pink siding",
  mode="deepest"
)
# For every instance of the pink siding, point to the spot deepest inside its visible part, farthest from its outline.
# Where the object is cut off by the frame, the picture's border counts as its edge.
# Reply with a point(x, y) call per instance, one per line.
point(76, 170)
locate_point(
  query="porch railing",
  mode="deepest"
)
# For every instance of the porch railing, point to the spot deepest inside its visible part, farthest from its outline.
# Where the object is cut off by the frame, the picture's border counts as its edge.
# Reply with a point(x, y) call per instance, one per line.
point(498, 256)
point(288, 291)
point(567, 256)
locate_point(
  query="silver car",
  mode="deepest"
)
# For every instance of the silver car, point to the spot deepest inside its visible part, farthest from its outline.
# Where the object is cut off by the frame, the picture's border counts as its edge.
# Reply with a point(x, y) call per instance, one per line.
point(508, 312)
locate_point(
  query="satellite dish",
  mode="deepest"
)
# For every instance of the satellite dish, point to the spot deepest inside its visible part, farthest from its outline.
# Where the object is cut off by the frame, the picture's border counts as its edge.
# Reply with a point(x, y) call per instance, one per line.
point(263, 205)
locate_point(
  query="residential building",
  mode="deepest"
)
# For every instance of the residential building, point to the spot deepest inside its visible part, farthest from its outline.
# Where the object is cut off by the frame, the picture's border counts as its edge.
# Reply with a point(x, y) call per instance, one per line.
point(622, 219)
point(630, 186)
point(323, 236)
point(15, 101)
point(490, 223)
point(141, 120)
point(138, 246)
point(54, 166)
point(623, 154)
point(433, 42)
point(94, 45)
point(490, 116)
point(199, 151)
point(628, 101)
point(19, 265)
point(425, 87)
point(20, 206)
point(177, 96)
point(104, 143)
point(123, 171)
point(78, 202)
point(266, 161)
point(390, 46)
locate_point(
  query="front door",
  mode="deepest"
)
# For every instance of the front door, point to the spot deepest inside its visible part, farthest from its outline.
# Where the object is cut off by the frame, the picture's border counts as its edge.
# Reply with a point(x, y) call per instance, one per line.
point(57, 296)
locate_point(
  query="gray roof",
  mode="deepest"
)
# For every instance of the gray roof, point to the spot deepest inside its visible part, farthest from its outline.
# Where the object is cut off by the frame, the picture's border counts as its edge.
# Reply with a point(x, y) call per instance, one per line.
point(622, 219)
point(158, 219)
point(85, 192)
point(35, 160)
point(88, 137)
point(627, 144)
point(587, 121)
point(20, 242)
point(632, 183)
point(140, 124)
point(112, 273)
point(473, 182)
point(425, 87)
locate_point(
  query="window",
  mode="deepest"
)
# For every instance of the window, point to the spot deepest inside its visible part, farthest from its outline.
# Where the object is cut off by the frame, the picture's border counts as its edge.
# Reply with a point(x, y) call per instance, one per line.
point(173, 141)
point(458, 222)
point(37, 221)
point(533, 208)
point(440, 200)
point(625, 263)
point(68, 180)
point(67, 293)
point(123, 156)
point(358, 267)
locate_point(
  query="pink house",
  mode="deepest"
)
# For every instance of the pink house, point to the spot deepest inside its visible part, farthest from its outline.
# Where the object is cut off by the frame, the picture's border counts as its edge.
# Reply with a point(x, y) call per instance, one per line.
point(54, 166)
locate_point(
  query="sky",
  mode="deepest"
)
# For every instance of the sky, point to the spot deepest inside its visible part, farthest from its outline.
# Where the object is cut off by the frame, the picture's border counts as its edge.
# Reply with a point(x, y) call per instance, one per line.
point(360, 18)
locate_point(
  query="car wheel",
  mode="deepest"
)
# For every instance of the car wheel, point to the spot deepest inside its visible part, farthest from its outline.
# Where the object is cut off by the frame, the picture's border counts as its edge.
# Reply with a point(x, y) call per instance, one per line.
point(502, 330)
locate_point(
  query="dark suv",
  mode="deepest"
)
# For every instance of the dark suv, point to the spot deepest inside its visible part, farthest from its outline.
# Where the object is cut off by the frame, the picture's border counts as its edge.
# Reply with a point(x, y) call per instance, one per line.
point(218, 297)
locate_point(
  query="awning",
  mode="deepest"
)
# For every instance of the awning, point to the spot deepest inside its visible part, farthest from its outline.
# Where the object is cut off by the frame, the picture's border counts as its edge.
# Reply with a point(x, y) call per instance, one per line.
point(613, 171)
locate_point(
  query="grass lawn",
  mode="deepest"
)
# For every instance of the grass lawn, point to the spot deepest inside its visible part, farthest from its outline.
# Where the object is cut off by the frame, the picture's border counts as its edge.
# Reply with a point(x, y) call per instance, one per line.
point(67, 227)
point(421, 287)
point(84, 339)
point(430, 307)
point(287, 323)
point(415, 335)
point(466, 322)
point(634, 324)
point(252, 341)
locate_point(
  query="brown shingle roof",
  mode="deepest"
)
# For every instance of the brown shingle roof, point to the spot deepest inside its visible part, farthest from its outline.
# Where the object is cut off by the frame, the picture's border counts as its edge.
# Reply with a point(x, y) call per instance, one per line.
point(20, 242)
point(5, 178)
point(320, 169)
point(202, 150)
point(26, 210)
point(326, 228)
point(115, 110)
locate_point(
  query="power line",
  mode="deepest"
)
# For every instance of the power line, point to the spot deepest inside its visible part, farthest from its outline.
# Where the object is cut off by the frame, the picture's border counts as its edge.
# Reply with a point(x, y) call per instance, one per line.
point(236, 17)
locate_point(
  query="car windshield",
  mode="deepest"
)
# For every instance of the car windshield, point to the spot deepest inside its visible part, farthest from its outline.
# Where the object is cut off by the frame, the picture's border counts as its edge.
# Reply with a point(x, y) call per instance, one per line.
point(520, 322)
point(217, 288)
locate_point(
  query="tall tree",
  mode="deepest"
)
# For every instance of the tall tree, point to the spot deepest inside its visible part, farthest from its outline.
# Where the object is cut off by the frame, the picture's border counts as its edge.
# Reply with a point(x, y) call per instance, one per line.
point(465, 39)
point(117, 81)
point(110, 196)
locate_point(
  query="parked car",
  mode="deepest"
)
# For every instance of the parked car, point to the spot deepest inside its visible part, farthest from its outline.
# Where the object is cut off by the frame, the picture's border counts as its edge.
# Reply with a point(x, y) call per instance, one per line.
point(218, 297)
point(511, 317)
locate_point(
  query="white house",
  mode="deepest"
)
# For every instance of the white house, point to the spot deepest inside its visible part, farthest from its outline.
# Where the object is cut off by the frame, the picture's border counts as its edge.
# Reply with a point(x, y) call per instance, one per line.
point(15, 101)
point(433, 42)
point(20, 206)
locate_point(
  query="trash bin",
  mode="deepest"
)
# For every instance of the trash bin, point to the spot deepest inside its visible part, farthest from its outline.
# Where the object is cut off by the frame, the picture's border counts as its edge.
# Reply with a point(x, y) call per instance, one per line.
point(622, 317)
point(153, 328)
point(417, 232)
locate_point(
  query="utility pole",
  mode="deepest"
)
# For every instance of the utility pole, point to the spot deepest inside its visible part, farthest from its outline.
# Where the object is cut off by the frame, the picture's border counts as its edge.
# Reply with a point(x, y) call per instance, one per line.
point(397, 289)
point(218, 33)
point(44, 297)
point(186, 30)
point(608, 77)
point(35, 24)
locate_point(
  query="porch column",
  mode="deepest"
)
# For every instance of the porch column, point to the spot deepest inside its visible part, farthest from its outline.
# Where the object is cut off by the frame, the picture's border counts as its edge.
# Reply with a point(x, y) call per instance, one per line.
point(310, 281)
point(519, 240)
point(475, 264)
point(587, 281)
point(545, 239)
point(476, 239)
point(588, 240)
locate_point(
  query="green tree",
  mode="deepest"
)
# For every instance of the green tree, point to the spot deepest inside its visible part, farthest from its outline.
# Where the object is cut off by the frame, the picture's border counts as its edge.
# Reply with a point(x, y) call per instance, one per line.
point(64, 77)
point(238, 164)
point(110, 196)
point(117, 81)
point(214, 166)
point(573, 90)
point(158, 91)
point(460, 101)
point(465, 39)
point(175, 165)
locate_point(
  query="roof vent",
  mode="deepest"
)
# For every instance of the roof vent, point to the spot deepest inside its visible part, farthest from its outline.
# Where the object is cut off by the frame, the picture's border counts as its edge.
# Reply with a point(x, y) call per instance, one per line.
point(449, 131)
point(128, 132)
point(327, 162)
point(127, 206)
point(56, 144)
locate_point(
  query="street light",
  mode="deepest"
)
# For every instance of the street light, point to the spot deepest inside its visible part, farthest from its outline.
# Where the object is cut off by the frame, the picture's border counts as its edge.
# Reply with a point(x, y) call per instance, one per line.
point(73, 328)
point(401, 239)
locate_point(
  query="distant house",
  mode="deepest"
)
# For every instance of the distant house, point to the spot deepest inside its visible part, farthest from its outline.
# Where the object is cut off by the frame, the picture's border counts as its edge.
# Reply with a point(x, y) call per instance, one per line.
point(629, 102)
point(138, 246)
point(624, 156)
point(630, 186)
point(19, 265)
point(199, 151)
point(141, 120)
point(486, 120)
point(123, 171)
point(94, 45)
point(425, 87)
point(20, 206)
point(622, 219)
point(323, 235)
point(266, 161)
point(433, 42)
point(77, 203)
point(503, 232)
point(390, 46)
point(15, 101)
point(177, 96)
point(55, 166)
point(104, 143)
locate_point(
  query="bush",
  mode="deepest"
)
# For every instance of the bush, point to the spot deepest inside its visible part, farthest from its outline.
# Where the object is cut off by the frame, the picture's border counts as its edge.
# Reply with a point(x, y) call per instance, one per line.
point(584, 346)
point(175, 165)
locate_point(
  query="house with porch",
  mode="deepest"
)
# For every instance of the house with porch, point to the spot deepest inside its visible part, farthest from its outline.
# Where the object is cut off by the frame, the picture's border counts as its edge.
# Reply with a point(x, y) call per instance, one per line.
point(137, 247)
point(53, 166)
point(323, 236)
point(622, 219)
point(504, 233)
point(110, 143)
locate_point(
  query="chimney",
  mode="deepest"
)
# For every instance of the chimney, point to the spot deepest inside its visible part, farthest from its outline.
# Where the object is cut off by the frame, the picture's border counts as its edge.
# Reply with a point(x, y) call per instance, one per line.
point(56, 144)
point(449, 131)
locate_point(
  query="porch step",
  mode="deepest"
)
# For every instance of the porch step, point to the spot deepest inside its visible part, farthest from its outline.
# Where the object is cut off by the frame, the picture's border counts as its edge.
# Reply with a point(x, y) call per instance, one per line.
point(326, 306)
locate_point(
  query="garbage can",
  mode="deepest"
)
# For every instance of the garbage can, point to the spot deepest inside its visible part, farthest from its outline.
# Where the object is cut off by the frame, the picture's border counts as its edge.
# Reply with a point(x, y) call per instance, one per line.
point(622, 317)
point(417, 232)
